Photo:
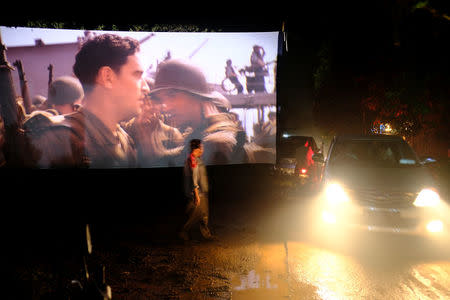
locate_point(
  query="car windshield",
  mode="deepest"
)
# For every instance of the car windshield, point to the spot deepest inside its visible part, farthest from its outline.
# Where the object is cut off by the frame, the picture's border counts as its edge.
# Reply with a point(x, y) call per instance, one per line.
point(380, 153)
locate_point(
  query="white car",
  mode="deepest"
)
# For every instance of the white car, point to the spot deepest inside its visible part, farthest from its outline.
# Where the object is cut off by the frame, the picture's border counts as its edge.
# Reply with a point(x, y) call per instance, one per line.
point(377, 183)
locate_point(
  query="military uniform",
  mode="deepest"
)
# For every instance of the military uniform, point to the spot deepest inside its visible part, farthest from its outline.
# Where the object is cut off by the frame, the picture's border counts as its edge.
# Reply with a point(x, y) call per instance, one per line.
point(219, 136)
point(78, 140)
point(157, 144)
point(218, 130)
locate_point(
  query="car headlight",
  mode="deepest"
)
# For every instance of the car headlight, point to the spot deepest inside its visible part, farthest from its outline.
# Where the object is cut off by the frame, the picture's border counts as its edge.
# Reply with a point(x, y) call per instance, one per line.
point(427, 198)
point(435, 226)
point(335, 194)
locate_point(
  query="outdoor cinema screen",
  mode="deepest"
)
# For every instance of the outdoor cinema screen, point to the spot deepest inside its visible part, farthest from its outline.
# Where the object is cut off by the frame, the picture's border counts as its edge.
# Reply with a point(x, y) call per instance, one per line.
point(105, 99)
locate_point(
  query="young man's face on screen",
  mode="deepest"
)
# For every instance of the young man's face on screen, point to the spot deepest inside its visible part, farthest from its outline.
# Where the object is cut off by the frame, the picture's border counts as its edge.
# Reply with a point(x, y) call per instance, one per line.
point(130, 87)
point(181, 109)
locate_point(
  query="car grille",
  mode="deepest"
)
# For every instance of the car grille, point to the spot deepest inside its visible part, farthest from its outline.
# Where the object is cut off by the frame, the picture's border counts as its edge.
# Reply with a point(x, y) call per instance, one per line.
point(382, 199)
point(393, 220)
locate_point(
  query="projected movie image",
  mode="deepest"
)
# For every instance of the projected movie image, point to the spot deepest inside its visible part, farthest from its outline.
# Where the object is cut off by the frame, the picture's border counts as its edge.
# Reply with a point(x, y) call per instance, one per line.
point(98, 99)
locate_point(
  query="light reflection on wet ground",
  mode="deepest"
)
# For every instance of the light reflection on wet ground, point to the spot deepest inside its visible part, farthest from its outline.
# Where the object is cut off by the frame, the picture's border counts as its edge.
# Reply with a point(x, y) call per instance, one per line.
point(318, 273)
point(343, 266)
point(334, 275)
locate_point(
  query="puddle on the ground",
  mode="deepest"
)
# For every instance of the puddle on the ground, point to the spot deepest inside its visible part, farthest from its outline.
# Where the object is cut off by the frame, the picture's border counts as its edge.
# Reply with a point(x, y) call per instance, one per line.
point(259, 285)
point(267, 280)
point(253, 280)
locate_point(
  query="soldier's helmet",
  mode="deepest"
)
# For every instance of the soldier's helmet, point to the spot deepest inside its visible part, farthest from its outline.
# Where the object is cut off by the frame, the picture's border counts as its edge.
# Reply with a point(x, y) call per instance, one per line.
point(176, 74)
point(65, 90)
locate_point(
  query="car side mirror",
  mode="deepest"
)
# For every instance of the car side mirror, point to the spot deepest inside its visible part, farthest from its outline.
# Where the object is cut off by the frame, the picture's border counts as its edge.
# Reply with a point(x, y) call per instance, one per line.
point(318, 158)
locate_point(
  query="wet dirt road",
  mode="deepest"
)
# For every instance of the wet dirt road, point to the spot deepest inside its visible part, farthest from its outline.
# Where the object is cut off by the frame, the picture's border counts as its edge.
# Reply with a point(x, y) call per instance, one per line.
point(356, 266)
point(317, 273)
point(267, 252)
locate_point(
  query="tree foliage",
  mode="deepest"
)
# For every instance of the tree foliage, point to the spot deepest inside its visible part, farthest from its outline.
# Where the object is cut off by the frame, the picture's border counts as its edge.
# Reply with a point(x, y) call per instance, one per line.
point(401, 79)
point(322, 72)
point(114, 27)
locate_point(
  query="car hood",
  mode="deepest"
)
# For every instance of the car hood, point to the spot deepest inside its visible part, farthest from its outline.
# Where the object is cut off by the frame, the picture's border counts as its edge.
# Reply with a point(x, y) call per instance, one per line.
point(411, 179)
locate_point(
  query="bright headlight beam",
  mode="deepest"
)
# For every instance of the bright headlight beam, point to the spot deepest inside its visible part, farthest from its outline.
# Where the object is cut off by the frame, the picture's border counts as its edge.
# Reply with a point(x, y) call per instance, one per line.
point(328, 217)
point(335, 194)
point(427, 198)
point(435, 226)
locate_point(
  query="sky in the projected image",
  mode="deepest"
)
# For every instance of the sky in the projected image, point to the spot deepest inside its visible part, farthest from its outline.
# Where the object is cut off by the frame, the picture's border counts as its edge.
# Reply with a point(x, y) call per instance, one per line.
point(207, 50)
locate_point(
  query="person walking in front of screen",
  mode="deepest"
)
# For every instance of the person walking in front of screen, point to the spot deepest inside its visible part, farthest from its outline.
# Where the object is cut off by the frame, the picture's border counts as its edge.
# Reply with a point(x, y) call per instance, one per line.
point(196, 193)
point(111, 75)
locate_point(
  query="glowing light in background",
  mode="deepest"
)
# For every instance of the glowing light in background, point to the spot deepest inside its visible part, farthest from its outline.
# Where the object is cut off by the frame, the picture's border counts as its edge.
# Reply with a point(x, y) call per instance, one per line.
point(388, 128)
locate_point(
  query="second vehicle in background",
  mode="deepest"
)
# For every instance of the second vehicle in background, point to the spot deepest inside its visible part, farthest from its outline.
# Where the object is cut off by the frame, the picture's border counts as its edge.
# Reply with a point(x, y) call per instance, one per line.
point(295, 160)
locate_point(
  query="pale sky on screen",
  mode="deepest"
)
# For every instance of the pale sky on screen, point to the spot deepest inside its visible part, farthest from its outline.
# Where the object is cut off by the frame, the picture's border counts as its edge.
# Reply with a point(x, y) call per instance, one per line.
point(211, 57)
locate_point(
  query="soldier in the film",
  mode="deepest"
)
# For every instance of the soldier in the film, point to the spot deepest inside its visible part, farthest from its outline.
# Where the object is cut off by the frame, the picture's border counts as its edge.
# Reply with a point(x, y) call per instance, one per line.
point(65, 93)
point(38, 102)
point(259, 67)
point(110, 73)
point(196, 193)
point(266, 136)
point(263, 147)
point(233, 77)
point(189, 105)
point(157, 144)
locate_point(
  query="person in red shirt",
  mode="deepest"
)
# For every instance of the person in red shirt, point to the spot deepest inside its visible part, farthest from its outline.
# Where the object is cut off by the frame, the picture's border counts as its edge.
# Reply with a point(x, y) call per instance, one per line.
point(196, 192)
